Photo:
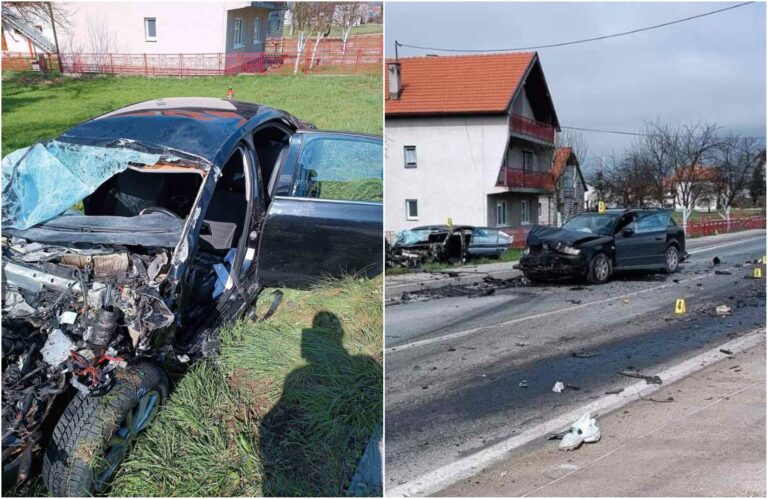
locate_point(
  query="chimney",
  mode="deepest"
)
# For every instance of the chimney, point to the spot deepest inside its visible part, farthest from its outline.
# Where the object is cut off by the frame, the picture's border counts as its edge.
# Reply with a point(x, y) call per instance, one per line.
point(394, 80)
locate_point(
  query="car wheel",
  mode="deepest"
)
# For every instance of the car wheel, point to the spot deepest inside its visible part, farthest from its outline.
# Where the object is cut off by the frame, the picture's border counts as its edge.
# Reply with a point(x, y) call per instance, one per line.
point(673, 259)
point(599, 269)
point(94, 434)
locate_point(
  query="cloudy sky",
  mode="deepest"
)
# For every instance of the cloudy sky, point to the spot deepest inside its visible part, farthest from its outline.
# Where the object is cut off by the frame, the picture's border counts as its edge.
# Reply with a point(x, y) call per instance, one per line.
point(710, 70)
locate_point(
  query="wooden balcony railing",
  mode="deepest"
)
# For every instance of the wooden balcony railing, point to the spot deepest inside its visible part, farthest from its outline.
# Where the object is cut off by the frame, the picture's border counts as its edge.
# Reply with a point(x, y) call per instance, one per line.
point(532, 128)
point(517, 178)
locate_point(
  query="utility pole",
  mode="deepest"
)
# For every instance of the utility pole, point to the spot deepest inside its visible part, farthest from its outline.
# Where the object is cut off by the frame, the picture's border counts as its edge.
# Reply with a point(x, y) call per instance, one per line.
point(55, 38)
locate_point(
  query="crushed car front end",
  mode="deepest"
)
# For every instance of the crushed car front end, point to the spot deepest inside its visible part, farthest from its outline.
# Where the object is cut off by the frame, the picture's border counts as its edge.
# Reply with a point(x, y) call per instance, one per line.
point(559, 252)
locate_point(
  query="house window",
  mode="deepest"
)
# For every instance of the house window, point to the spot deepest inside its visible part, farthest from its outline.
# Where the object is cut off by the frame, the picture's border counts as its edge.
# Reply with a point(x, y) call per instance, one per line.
point(256, 30)
point(527, 161)
point(410, 156)
point(237, 40)
point(411, 209)
point(150, 29)
point(501, 213)
point(525, 212)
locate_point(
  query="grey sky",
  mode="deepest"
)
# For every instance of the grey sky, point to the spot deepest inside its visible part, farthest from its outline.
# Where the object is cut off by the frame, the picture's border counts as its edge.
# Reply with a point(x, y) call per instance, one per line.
point(706, 70)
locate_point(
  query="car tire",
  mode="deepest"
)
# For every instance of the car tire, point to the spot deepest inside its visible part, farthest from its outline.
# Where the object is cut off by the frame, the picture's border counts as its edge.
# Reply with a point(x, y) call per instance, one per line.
point(600, 269)
point(85, 448)
point(672, 259)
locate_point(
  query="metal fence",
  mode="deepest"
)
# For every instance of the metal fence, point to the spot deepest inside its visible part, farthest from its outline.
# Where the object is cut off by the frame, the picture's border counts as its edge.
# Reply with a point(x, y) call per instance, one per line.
point(359, 54)
point(698, 228)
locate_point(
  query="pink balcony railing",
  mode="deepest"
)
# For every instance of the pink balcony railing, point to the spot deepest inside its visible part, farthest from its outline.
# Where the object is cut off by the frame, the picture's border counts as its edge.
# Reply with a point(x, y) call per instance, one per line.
point(532, 128)
point(518, 178)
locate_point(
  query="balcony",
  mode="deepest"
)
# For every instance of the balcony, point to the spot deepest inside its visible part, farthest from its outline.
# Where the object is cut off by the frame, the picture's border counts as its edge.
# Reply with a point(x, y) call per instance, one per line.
point(517, 178)
point(531, 128)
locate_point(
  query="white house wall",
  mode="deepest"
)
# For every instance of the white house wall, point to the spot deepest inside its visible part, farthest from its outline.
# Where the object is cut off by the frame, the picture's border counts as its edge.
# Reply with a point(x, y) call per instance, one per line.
point(118, 27)
point(458, 161)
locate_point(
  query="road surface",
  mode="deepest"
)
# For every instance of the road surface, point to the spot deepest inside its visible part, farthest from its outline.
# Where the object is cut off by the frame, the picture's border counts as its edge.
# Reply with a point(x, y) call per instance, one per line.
point(465, 373)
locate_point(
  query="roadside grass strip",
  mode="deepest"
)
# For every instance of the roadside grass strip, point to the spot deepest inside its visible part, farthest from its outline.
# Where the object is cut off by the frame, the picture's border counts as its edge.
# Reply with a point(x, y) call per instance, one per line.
point(287, 409)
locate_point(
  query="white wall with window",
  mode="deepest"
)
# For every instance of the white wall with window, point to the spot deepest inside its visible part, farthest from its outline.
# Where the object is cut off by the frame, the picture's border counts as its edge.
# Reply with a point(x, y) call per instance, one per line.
point(150, 29)
point(411, 209)
point(410, 156)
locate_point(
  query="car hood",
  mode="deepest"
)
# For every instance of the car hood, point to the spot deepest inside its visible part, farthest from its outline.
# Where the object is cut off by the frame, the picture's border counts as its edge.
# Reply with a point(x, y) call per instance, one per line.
point(553, 236)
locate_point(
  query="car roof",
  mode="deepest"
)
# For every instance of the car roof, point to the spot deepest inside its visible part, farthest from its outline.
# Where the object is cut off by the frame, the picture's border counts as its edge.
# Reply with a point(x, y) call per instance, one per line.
point(201, 126)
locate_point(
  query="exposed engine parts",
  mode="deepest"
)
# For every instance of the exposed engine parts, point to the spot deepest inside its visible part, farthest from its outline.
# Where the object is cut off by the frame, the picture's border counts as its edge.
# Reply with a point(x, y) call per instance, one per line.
point(72, 317)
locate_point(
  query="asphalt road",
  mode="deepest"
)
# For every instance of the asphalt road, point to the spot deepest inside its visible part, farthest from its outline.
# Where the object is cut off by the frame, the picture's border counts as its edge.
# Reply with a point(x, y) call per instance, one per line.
point(464, 373)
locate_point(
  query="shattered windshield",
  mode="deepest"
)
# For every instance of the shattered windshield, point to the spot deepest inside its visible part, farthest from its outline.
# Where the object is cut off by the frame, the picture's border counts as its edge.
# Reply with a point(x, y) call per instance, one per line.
point(42, 181)
point(408, 237)
point(592, 223)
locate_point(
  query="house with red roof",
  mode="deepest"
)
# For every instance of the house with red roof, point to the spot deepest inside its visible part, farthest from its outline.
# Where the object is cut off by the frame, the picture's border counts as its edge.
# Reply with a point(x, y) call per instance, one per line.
point(469, 138)
point(570, 185)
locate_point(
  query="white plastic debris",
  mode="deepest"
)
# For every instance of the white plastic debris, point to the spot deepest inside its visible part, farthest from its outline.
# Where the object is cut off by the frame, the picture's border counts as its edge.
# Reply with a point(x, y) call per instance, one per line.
point(559, 387)
point(68, 317)
point(722, 310)
point(57, 347)
point(584, 430)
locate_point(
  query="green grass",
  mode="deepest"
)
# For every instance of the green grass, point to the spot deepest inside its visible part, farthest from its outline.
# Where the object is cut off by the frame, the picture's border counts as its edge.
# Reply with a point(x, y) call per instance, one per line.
point(288, 411)
point(363, 29)
point(288, 407)
point(36, 108)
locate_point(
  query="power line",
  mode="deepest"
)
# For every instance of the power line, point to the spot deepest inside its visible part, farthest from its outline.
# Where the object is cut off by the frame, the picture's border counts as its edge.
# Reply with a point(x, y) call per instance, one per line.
point(623, 132)
point(585, 40)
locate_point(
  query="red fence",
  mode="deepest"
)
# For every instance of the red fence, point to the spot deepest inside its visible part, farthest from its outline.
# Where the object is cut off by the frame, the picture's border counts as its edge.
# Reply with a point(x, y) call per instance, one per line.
point(698, 228)
point(522, 179)
point(531, 128)
point(22, 61)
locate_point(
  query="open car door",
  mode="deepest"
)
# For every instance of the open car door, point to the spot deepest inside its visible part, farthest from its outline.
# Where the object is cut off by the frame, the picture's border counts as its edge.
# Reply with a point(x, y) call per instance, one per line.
point(325, 215)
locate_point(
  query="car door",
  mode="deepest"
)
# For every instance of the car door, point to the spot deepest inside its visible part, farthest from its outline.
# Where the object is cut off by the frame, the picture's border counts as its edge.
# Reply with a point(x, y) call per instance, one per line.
point(641, 241)
point(325, 217)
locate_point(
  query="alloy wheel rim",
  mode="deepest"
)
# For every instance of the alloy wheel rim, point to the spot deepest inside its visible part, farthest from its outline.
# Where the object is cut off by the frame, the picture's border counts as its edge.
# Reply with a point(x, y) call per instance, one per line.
point(136, 420)
point(601, 269)
point(672, 259)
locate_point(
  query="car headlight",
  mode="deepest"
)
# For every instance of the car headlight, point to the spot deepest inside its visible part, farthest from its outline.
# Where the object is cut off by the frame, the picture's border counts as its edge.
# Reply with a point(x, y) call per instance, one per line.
point(526, 250)
point(569, 250)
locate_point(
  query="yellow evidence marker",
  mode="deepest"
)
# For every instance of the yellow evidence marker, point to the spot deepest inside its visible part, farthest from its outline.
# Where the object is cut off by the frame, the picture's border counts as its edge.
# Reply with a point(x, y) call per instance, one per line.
point(680, 306)
point(601, 207)
point(757, 273)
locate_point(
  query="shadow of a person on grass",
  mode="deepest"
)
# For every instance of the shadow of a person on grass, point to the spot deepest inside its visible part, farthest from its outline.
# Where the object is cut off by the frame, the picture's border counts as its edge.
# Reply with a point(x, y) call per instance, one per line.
point(312, 438)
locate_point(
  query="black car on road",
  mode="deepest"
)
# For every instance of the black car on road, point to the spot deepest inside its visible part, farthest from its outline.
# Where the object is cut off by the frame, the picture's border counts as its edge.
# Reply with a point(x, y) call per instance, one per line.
point(132, 238)
point(595, 245)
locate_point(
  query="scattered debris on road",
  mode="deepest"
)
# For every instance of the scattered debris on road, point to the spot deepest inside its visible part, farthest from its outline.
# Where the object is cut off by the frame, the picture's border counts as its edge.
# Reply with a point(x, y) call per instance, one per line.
point(559, 387)
point(614, 392)
point(523, 384)
point(716, 261)
point(651, 380)
point(726, 352)
point(584, 430)
point(585, 355)
point(723, 310)
point(722, 272)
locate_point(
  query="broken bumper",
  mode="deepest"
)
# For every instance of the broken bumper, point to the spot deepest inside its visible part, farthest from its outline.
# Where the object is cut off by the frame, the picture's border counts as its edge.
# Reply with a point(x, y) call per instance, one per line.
point(554, 264)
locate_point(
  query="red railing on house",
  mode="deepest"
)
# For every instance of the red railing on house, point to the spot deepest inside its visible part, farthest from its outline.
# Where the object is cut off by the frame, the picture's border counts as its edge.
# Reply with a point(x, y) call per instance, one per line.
point(518, 178)
point(532, 128)
point(698, 228)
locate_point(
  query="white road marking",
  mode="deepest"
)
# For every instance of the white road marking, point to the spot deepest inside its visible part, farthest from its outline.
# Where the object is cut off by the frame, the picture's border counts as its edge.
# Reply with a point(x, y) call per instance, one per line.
point(445, 476)
point(466, 332)
point(724, 245)
point(461, 334)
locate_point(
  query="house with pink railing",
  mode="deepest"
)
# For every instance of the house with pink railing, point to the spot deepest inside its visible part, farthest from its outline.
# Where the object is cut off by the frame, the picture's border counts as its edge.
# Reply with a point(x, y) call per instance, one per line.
point(470, 138)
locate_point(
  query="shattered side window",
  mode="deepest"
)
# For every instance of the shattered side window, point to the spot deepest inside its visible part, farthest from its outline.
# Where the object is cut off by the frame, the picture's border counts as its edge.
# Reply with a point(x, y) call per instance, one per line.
point(42, 181)
point(346, 168)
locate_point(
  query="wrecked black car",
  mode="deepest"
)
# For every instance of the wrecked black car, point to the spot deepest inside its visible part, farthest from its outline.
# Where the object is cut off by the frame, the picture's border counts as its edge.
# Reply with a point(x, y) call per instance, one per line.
point(129, 240)
point(594, 245)
point(439, 243)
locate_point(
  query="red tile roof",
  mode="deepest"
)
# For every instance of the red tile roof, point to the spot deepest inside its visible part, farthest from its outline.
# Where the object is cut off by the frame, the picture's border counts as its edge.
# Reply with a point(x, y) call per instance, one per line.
point(560, 160)
point(458, 84)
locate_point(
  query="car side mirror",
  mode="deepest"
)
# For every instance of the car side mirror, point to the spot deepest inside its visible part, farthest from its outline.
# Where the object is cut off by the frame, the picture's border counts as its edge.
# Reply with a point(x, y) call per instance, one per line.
point(627, 232)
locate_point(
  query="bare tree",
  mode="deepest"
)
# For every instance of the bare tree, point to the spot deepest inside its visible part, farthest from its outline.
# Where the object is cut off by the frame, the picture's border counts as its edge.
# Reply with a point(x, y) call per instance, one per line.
point(576, 141)
point(312, 20)
point(695, 145)
point(38, 12)
point(654, 153)
point(347, 16)
point(736, 159)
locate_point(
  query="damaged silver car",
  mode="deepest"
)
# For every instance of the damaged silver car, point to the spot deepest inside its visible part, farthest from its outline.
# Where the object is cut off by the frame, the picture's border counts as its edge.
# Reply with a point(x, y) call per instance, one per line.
point(132, 238)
